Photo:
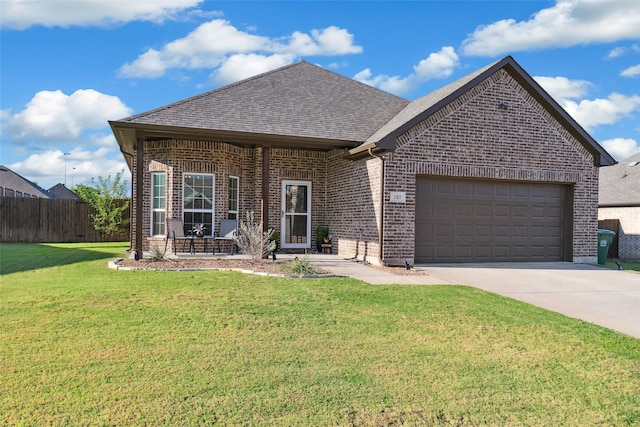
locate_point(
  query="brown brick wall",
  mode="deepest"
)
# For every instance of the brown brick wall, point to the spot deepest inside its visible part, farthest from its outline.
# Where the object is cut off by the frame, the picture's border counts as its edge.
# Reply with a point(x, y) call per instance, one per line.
point(353, 205)
point(472, 137)
point(176, 157)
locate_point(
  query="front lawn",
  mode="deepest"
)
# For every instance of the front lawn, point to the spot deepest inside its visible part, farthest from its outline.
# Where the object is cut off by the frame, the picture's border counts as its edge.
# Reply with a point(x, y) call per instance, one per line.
point(86, 345)
point(627, 265)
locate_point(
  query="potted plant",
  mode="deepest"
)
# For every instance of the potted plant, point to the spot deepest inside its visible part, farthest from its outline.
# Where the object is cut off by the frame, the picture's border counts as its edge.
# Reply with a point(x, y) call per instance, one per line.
point(322, 232)
point(199, 229)
point(275, 237)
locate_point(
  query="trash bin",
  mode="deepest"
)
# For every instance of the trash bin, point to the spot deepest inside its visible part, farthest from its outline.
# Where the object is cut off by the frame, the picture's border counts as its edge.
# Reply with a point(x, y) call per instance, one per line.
point(605, 237)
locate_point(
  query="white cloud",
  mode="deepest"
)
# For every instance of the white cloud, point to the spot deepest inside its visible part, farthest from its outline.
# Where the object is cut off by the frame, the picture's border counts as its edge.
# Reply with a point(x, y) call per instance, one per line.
point(79, 166)
point(621, 148)
point(329, 41)
point(214, 43)
point(242, 66)
point(55, 116)
point(437, 65)
point(602, 111)
point(616, 52)
point(22, 14)
point(631, 71)
point(205, 47)
point(589, 113)
point(561, 88)
point(567, 23)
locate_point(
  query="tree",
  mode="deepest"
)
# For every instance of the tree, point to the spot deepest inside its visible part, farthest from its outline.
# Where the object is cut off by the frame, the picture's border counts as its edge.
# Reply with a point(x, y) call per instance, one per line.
point(106, 197)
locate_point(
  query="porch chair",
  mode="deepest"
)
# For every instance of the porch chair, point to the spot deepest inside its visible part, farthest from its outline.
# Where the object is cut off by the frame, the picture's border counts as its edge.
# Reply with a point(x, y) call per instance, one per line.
point(175, 231)
point(228, 230)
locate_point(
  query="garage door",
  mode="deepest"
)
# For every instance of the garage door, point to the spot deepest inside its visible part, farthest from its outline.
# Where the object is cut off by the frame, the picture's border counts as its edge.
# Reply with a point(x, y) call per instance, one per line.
point(460, 220)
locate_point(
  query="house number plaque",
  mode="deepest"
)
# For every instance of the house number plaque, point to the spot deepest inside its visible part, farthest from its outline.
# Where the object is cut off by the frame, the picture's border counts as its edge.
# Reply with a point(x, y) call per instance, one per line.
point(398, 197)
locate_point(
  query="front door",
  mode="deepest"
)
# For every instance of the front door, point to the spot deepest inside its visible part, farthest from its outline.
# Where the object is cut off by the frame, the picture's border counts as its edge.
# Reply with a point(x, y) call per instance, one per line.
point(296, 214)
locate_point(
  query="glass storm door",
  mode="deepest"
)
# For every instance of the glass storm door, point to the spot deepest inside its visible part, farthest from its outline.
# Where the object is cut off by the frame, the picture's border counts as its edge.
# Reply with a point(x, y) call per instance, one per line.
point(296, 214)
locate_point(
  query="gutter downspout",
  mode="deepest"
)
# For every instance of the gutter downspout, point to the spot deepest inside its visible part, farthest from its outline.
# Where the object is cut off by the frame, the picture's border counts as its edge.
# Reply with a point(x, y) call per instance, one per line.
point(381, 225)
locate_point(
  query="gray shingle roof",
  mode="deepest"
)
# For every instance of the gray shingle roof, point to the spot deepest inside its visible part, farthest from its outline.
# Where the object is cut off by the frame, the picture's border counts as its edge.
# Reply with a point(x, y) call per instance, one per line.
point(59, 191)
point(305, 105)
point(299, 100)
point(12, 181)
point(620, 183)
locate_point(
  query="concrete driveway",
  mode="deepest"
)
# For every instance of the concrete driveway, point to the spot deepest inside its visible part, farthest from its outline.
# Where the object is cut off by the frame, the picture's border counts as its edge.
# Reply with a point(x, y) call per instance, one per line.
point(609, 298)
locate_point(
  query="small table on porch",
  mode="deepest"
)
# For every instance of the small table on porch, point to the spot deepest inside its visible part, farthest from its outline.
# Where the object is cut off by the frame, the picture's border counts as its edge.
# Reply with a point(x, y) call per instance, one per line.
point(192, 243)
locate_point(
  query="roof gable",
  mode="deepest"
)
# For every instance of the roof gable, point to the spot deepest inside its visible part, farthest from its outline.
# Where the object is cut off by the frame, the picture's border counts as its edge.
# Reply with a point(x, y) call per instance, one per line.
point(418, 110)
point(296, 101)
point(60, 191)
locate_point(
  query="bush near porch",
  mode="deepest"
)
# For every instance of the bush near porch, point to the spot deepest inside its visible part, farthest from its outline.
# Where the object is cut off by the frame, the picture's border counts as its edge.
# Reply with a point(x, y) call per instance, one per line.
point(86, 345)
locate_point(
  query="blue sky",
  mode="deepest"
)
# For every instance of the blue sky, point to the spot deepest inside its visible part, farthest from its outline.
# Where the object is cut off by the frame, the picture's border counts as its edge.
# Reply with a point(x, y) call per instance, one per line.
point(67, 67)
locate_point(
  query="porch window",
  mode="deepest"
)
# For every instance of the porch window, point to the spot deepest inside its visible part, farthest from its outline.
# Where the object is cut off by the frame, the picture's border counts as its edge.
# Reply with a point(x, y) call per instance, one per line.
point(158, 203)
point(234, 186)
point(198, 202)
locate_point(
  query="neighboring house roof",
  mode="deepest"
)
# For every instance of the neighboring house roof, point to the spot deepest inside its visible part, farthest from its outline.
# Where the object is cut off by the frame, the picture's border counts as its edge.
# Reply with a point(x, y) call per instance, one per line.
point(10, 180)
point(306, 105)
point(620, 184)
point(300, 103)
point(61, 192)
point(423, 107)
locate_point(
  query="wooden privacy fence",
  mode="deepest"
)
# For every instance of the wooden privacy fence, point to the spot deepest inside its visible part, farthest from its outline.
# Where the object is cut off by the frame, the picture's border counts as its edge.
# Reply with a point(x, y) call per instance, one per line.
point(31, 220)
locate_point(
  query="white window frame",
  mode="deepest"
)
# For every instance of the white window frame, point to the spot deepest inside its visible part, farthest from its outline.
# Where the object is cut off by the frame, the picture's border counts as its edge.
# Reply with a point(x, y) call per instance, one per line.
point(209, 227)
point(155, 210)
point(237, 209)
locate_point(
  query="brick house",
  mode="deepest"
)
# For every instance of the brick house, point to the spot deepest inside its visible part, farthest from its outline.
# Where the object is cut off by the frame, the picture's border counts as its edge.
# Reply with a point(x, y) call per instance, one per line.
point(13, 184)
point(619, 198)
point(487, 168)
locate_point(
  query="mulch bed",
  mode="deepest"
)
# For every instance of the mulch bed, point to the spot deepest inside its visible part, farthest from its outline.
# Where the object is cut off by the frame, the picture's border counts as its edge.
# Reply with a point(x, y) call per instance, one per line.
point(263, 266)
point(400, 271)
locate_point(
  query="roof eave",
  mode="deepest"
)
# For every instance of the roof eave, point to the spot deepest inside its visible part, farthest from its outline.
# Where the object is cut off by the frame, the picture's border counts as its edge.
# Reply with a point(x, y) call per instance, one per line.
point(365, 150)
point(127, 133)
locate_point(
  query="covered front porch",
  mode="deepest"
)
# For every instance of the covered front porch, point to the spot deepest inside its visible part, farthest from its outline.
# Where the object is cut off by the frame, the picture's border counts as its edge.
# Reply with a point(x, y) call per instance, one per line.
point(206, 183)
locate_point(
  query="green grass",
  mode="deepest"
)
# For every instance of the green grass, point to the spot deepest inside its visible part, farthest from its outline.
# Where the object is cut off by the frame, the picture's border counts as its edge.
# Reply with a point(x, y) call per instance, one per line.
point(85, 345)
point(628, 265)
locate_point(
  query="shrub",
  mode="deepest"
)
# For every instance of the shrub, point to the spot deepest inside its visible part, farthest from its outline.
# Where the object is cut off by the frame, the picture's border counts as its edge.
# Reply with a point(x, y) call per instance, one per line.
point(156, 253)
point(300, 266)
point(252, 241)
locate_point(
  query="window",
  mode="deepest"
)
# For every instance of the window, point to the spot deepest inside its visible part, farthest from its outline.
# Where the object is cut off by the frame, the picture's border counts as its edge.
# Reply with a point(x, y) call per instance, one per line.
point(198, 201)
point(234, 182)
point(158, 203)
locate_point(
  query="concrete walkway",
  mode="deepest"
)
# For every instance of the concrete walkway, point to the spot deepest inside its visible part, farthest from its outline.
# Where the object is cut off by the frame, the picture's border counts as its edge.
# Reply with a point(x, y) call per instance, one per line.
point(609, 298)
